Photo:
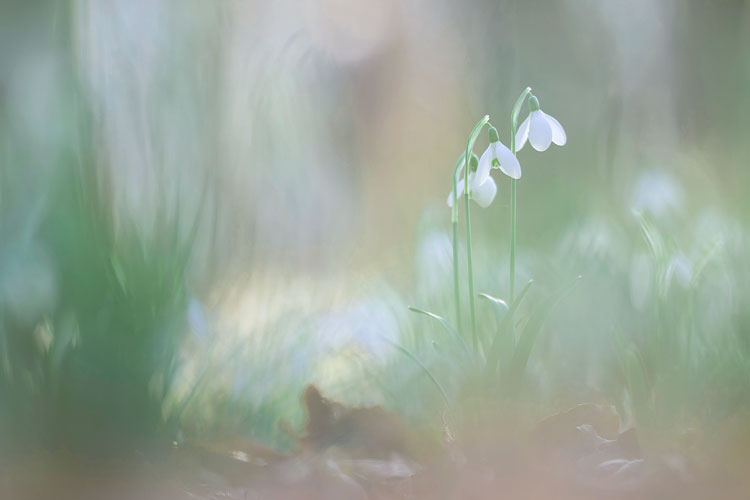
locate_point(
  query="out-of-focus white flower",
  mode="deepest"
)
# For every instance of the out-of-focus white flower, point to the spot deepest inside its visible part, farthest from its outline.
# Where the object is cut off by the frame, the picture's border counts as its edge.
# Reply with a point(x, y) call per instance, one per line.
point(540, 129)
point(499, 156)
point(658, 193)
point(482, 191)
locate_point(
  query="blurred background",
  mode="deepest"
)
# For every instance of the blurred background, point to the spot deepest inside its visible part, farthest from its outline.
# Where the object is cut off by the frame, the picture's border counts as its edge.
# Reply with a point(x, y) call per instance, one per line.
point(205, 206)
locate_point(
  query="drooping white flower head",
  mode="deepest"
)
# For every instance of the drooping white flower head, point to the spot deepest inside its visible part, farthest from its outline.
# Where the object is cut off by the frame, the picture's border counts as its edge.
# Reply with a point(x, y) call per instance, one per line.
point(483, 192)
point(540, 129)
point(498, 155)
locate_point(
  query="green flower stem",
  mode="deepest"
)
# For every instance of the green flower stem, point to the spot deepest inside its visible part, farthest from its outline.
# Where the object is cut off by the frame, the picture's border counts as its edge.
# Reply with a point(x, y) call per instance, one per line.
point(513, 126)
point(454, 227)
point(511, 295)
point(467, 188)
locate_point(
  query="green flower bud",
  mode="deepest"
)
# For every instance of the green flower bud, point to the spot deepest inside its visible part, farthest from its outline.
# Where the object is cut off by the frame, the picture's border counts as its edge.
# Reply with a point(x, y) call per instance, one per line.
point(533, 103)
point(474, 162)
point(494, 137)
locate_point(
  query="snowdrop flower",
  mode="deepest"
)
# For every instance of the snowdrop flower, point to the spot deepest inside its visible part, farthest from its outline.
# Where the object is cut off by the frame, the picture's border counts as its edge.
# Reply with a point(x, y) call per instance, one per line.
point(497, 155)
point(540, 129)
point(483, 190)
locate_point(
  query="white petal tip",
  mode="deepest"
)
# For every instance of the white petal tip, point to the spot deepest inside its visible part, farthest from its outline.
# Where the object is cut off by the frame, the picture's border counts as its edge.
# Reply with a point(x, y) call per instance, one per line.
point(513, 174)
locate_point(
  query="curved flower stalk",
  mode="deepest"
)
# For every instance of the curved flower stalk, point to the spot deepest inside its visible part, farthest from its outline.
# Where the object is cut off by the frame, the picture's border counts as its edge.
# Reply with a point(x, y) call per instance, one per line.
point(467, 159)
point(540, 129)
point(483, 192)
point(513, 123)
point(453, 203)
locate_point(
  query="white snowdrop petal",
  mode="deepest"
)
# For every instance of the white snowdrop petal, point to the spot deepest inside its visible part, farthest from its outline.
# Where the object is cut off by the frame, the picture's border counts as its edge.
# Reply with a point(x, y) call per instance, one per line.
point(558, 132)
point(484, 167)
point(540, 132)
point(522, 134)
point(459, 192)
point(508, 161)
point(484, 193)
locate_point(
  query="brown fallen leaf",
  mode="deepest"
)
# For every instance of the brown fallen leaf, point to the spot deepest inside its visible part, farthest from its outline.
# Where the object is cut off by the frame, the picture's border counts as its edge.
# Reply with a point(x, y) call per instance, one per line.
point(370, 432)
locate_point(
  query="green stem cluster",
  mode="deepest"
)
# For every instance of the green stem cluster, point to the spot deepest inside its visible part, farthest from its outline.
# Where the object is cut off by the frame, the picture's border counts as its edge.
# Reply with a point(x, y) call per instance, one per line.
point(465, 160)
point(467, 188)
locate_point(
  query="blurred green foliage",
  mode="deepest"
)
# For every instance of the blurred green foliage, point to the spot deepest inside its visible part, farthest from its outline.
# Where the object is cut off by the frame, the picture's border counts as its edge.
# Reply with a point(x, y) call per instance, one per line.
point(91, 366)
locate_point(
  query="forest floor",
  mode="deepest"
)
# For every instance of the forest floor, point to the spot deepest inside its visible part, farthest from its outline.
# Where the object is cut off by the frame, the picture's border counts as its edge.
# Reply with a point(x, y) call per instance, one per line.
point(367, 453)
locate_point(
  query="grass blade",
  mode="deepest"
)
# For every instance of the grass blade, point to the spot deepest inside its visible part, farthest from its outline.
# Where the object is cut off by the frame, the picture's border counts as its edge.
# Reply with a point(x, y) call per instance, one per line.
point(427, 371)
point(448, 328)
point(531, 330)
point(502, 332)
